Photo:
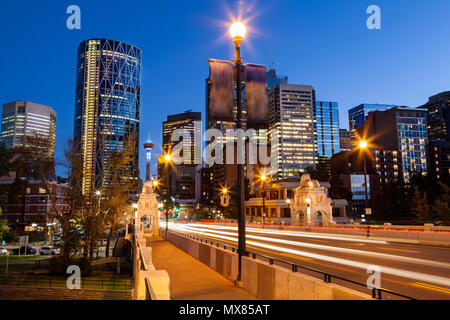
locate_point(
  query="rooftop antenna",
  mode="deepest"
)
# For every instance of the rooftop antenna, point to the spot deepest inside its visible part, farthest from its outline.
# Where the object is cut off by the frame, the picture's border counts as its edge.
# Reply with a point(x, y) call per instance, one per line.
point(271, 64)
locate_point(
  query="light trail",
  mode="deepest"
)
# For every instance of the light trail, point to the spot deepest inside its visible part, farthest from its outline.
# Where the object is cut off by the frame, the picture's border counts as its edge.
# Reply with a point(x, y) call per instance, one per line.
point(297, 234)
point(335, 249)
point(387, 270)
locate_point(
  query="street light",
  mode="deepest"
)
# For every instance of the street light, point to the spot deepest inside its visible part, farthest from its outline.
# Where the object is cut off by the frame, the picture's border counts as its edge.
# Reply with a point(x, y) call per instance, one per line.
point(167, 159)
point(263, 180)
point(238, 32)
point(363, 146)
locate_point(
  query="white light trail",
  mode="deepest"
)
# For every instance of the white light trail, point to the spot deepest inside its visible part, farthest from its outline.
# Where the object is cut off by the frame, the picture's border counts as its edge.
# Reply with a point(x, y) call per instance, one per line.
point(297, 234)
point(387, 270)
point(335, 249)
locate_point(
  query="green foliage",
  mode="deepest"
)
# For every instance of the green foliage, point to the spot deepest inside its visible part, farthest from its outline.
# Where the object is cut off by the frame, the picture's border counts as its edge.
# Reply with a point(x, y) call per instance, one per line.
point(10, 236)
point(337, 189)
point(420, 207)
point(202, 215)
point(4, 229)
point(442, 204)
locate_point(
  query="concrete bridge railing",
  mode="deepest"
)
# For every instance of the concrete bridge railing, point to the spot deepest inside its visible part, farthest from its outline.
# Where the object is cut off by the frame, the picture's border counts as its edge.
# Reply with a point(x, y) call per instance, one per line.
point(265, 281)
point(150, 284)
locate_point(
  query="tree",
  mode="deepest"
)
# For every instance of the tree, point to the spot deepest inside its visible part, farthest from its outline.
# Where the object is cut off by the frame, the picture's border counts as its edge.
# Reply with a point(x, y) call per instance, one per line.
point(202, 215)
point(4, 229)
point(442, 203)
point(420, 207)
point(337, 189)
point(120, 187)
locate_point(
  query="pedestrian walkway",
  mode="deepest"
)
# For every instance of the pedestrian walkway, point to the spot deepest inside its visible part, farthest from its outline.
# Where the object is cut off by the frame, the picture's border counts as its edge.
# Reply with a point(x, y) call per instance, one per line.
point(189, 278)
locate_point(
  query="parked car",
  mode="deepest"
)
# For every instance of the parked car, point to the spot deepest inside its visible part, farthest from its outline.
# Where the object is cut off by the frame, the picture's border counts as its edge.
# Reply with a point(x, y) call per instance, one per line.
point(3, 251)
point(102, 243)
point(45, 251)
point(24, 250)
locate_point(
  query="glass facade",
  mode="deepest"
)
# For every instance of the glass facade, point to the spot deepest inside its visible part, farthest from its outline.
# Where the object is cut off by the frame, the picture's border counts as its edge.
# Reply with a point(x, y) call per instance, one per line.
point(107, 106)
point(327, 128)
point(359, 114)
point(412, 140)
point(22, 118)
point(291, 112)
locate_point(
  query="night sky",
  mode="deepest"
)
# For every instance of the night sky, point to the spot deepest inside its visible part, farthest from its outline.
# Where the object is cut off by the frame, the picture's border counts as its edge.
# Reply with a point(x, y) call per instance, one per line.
point(318, 42)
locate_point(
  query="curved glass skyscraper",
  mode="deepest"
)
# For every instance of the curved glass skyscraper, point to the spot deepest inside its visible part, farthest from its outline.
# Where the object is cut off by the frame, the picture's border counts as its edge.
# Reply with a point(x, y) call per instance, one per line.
point(107, 105)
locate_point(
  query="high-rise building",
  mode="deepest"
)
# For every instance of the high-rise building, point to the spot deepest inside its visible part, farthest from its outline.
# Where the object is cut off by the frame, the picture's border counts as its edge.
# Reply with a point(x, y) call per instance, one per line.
point(327, 128)
point(438, 119)
point(273, 79)
point(403, 130)
point(291, 113)
point(359, 114)
point(182, 176)
point(22, 118)
point(438, 153)
point(107, 108)
point(344, 140)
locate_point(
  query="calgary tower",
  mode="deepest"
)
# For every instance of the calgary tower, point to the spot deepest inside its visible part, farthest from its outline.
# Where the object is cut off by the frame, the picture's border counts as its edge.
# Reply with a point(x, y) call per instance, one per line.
point(148, 146)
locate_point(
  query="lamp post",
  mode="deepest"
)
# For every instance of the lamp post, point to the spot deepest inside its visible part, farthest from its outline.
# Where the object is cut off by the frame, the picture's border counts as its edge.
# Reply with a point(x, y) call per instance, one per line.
point(263, 180)
point(237, 32)
point(363, 146)
point(167, 159)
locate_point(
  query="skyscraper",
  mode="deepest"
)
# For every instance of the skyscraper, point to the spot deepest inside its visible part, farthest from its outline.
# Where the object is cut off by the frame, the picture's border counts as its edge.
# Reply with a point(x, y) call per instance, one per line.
point(107, 107)
point(182, 176)
point(403, 130)
point(291, 112)
point(438, 118)
point(273, 79)
point(359, 114)
point(344, 140)
point(327, 127)
point(22, 118)
point(438, 123)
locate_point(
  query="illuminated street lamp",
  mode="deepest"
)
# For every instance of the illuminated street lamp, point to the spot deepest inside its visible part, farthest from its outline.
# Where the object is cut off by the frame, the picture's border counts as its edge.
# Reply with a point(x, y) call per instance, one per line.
point(363, 146)
point(167, 159)
point(263, 179)
point(238, 32)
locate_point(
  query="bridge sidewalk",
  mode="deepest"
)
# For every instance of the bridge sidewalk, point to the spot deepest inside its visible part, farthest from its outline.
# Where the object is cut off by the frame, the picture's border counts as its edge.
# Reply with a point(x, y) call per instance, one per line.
point(189, 278)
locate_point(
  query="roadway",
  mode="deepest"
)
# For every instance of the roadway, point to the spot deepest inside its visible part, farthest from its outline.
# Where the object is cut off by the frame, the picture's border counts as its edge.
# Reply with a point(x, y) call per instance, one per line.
point(420, 272)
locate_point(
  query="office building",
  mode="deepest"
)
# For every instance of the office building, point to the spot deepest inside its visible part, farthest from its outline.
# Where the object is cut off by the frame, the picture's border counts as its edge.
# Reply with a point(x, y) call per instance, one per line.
point(273, 79)
point(291, 114)
point(107, 109)
point(403, 130)
point(182, 175)
point(358, 115)
point(438, 119)
point(438, 154)
point(23, 118)
point(327, 128)
point(345, 143)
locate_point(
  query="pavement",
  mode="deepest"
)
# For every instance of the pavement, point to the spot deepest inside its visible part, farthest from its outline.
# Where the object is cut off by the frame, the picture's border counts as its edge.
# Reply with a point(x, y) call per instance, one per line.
point(189, 278)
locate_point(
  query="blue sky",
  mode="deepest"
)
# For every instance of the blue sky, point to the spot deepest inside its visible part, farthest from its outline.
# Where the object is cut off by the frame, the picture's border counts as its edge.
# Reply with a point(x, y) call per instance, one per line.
point(324, 43)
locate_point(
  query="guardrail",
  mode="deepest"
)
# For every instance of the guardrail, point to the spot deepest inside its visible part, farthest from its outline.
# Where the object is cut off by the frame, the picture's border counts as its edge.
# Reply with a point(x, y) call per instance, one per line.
point(327, 277)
